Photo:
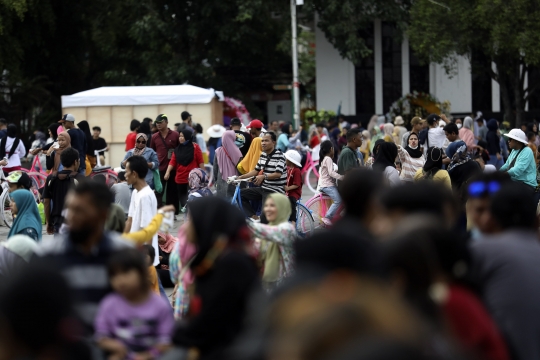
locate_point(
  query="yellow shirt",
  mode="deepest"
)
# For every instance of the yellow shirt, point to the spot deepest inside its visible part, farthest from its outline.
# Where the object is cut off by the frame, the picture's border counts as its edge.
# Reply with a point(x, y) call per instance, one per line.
point(441, 176)
point(145, 235)
point(152, 276)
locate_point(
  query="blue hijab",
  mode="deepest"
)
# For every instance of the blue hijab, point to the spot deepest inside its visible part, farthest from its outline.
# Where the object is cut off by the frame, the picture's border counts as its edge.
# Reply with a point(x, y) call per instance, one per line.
point(27, 214)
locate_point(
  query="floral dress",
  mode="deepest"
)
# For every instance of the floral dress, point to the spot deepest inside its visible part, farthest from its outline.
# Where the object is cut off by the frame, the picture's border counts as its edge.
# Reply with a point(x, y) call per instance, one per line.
point(284, 235)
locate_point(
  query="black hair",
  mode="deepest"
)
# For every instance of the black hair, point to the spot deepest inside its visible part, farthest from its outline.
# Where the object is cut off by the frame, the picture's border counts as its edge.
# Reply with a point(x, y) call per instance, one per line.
point(513, 207)
point(271, 134)
point(198, 128)
point(147, 120)
point(531, 135)
point(134, 124)
point(96, 128)
point(100, 195)
point(321, 124)
point(357, 190)
point(351, 134)
point(148, 250)
point(129, 259)
point(451, 128)
point(410, 198)
point(285, 128)
point(100, 178)
point(139, 165)
point(144, 128)
point(274, 121)
point(12, 130)
point(122, 176)
point(325, 149)
point(481, 120)
point(3, 121)
point(69, 156)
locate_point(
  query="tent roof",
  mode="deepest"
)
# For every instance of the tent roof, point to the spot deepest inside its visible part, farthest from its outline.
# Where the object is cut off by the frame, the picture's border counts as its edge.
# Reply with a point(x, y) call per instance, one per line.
point(141, 95)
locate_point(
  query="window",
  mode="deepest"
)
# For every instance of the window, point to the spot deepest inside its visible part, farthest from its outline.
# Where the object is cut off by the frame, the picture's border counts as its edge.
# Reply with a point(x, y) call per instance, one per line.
point(365, 77)
point(391, 61)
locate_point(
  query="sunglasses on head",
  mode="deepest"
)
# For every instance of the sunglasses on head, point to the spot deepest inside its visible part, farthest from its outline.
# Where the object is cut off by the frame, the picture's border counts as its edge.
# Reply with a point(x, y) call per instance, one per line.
point(141, 142)
point(480, 189)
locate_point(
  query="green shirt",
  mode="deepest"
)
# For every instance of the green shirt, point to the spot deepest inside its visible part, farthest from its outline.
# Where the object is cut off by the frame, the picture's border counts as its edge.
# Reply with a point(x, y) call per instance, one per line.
point(347, 160)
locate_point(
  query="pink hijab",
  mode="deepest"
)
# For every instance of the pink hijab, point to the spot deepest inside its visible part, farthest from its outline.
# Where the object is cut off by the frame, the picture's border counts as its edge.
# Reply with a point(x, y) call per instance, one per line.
point(170, 241)
point(228, 155)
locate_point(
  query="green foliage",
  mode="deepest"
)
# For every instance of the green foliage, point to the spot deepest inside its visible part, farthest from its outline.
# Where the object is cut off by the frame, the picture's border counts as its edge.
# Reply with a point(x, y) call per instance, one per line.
point(320, 115)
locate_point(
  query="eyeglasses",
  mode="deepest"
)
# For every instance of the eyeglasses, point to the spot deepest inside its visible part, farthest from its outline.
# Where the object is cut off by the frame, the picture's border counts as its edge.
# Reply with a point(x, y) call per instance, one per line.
point(479, 188)
point(141, 142)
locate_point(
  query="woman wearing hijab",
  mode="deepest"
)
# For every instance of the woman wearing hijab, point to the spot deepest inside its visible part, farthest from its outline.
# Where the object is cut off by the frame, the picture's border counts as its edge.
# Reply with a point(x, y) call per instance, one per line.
point(12, 148)
point(385, 163)
point(27, 220)
point(225, 164)
point(462, 167)
point(54, 152)
point(198, 184)
point(277, 238)
point(91, 160)
point(366, 145)
point(166, 244)
point(432, 168)
point(186, 157)
point(412, 158)
point(376, 135)
point(15, 253)
point(372, 123)
point(225, 275)
point(466, 134)
point(141, 149)
point(249, 161)
point(388, 130)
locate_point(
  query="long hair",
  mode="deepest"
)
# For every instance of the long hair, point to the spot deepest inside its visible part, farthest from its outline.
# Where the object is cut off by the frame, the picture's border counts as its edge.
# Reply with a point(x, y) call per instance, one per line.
point(326, 147)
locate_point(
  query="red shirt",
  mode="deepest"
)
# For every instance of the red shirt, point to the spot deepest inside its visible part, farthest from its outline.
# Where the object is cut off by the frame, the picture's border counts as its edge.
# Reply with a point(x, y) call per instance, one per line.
point(294, 177)
point(182, 172)
point(130, 140)
point(162, 151)
point(315, 140)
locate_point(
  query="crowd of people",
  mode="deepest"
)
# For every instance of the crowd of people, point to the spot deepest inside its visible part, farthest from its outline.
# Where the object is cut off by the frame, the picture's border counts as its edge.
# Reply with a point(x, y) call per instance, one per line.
point(428, 251)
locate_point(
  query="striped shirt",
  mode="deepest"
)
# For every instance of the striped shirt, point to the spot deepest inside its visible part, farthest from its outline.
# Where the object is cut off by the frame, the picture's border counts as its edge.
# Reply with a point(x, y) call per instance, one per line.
point(409, 165)
point(274, 164)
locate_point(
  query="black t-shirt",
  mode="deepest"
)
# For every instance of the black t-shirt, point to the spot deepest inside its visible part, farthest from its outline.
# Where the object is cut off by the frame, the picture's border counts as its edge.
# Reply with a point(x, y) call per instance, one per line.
point(247, 141)
point(99, 144)
point(56, 189)
point(78, 142)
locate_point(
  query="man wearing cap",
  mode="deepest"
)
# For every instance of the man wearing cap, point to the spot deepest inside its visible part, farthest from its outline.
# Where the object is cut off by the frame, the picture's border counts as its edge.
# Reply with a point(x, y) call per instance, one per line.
point(256, 127)
point(436, 135)
point(520, 165)
point(242, 137)
point(78, 139)
point(186, 122)
point(164, 141)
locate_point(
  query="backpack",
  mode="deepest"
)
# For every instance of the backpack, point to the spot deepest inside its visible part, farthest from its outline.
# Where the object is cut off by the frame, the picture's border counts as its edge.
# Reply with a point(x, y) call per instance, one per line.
point(63, 177)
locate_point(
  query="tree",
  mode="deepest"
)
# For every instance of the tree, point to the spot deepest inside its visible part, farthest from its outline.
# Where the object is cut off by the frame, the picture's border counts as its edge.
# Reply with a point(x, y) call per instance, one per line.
point(505, 32)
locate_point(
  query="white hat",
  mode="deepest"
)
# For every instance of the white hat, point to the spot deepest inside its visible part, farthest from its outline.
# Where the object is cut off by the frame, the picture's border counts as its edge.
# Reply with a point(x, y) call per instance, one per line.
point(399, 120)
point(518, 135)
point(294, 157)
point(216, 131)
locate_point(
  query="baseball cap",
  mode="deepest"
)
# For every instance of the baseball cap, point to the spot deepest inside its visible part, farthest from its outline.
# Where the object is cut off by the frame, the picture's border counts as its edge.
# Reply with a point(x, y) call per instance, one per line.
point(68, 117)
point(257, 124)
point(161, 118)
point(185, 115)
point(431, 119)
point(235, 122)
point(20, 178)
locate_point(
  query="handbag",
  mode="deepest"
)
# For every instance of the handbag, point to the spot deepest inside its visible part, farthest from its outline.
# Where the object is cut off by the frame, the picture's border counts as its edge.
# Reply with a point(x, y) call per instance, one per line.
point(158, 186)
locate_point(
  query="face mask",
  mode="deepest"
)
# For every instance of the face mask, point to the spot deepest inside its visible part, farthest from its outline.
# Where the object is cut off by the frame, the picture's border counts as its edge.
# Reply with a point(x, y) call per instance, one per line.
point(459, 126)
point(414, 148)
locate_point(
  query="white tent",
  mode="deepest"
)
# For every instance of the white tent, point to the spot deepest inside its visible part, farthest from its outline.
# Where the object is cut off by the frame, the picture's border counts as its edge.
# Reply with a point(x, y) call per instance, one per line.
point(113, 108)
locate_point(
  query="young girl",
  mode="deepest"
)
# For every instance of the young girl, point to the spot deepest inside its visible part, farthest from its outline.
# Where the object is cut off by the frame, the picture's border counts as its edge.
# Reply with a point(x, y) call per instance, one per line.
point(149, 254)
point(327, 179)
point(133, 322)
point(293, 189)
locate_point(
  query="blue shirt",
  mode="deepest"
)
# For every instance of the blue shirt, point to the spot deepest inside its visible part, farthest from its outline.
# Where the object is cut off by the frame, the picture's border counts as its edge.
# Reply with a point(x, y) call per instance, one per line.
point(524, 169)
point(283, 142)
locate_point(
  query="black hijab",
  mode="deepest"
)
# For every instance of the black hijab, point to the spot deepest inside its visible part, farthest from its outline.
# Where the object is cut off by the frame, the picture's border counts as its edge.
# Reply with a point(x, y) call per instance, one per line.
point(185, 152)
point(376, 146)
point(414, 153)
point(225, 220)
point(386, 156)
point(433, 160)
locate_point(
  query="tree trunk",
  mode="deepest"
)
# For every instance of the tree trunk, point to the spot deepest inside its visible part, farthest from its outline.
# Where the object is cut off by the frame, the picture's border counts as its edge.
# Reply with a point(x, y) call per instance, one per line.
point(519, 93)
point(502, 79)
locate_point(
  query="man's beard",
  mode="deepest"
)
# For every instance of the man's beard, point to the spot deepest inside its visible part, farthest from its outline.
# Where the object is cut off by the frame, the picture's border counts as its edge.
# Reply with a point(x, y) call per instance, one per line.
point(81, 235)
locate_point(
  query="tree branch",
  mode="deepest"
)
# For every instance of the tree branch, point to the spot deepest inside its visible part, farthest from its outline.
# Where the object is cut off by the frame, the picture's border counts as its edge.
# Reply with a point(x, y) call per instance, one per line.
point(530, 90)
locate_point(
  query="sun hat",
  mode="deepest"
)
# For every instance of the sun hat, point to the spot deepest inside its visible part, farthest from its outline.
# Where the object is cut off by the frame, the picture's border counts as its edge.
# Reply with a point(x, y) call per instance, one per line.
point(216, 131)
point(518, 135)
point(257, 124)
point(294, 157)
point(399, 120)
point(20, 178)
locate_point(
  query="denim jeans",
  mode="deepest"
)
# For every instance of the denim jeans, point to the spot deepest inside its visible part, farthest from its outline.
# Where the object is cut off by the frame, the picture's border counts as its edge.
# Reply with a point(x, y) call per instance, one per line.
point(332, 191)
point(495, 162)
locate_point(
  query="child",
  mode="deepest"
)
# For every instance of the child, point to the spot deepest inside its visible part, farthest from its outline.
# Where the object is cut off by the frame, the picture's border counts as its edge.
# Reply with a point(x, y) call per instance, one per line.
point(293, 189)
point(133, 322)
point(150, 253)
point(327, 179)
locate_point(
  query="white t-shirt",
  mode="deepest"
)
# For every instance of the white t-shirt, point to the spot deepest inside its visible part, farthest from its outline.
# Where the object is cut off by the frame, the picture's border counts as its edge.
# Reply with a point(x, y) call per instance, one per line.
point(15, 159)
point(392, 175)
point(142, 209)
point(436, 137)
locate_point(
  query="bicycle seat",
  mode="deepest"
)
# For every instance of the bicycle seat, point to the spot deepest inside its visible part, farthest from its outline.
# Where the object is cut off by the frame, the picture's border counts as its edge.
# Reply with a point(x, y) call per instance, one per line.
point(100, 168)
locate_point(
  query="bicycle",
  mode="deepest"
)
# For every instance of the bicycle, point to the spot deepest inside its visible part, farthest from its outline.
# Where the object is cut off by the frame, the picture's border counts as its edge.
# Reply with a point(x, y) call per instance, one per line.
point(318, 205)
point(5, 201)
point(309, 172)
point(110, 175)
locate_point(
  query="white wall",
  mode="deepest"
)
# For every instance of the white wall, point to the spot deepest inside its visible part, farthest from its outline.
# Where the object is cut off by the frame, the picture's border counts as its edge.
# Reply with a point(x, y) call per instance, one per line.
point(279, 110)
point(457, 90)
point(335, 78)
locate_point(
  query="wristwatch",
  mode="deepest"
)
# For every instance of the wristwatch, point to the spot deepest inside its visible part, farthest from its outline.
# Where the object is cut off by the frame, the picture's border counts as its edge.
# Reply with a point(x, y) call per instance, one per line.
point(265, 176)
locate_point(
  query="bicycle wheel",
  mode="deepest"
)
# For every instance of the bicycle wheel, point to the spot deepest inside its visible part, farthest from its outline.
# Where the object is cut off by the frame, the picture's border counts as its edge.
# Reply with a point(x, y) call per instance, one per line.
point(312, 179)
point(318, 209)
point(7, 216)
point(304, 221)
